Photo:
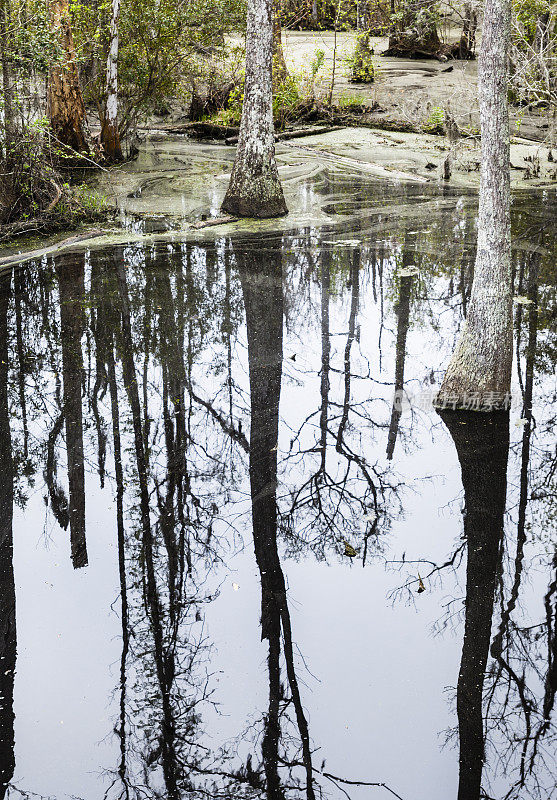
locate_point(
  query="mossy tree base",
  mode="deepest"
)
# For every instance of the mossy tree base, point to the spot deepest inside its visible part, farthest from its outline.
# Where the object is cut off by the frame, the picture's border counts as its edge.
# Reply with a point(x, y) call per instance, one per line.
point(259, 205)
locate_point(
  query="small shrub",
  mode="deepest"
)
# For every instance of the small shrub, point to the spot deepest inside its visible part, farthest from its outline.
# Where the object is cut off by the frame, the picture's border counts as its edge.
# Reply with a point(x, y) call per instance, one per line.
point(362, 67)
point(287, 99)
point(31, 187)
point(435, 123)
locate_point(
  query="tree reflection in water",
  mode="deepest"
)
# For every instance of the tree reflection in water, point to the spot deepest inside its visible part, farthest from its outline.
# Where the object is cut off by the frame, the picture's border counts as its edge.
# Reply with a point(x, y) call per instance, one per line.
point(262, 289)
point(133, 361)
point(482, 444)
point(7, 585)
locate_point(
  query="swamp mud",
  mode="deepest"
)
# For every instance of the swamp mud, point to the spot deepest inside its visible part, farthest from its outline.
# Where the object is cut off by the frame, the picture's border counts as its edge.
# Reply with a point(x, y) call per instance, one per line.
point(241, 554)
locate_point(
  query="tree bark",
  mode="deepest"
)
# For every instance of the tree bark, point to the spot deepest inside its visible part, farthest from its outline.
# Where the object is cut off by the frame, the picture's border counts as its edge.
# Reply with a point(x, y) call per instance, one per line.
point(255, 189)
point(66, 109)
point(480, 369)
point(110, 136)
point(7, 80)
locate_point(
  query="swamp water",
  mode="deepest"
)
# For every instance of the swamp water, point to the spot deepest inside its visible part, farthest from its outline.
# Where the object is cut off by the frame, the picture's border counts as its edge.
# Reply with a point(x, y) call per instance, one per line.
point(249, 559)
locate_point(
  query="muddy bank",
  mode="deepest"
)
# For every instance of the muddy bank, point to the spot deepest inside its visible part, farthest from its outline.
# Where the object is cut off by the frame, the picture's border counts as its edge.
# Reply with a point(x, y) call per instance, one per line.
point(405, 89)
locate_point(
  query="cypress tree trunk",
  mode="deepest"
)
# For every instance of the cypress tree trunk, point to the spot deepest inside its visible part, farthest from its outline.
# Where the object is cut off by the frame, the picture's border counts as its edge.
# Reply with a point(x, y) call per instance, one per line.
point(254, 189)
point(66, 109)
point(261, 278)
point(479, 373)
point(110, 137)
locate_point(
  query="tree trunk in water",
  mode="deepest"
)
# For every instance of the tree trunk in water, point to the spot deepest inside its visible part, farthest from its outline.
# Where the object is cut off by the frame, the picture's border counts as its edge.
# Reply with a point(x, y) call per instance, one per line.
point(482, 444)
point(110, 137)
point(479, 373)
point(263, 302)
point(254, 189)
point(66, 109)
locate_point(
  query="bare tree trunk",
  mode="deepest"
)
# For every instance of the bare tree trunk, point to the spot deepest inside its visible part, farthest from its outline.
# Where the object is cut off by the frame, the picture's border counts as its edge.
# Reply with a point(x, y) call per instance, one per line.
point(110, 136)
point(8, 193)
point(480, 369)
point(467, 46)
point(7, 79)
point(314, 11)
point(66, 109)
point(254, 189)
point(541, 39)
point(280, 70)
point(162, 655)
point(325, 355)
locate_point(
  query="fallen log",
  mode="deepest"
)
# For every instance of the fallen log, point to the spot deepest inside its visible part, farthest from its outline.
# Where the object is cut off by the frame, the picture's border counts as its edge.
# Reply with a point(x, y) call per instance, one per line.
point(296, 134)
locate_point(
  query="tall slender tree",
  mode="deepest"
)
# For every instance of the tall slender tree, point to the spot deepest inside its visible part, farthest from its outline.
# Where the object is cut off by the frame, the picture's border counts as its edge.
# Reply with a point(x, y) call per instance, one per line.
point(110, 136)
point(254, 189)
point(482, 362)
point(7, 79)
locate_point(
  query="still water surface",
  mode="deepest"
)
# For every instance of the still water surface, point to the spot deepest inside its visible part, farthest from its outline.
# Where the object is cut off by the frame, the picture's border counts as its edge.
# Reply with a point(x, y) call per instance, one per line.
point(239, 569)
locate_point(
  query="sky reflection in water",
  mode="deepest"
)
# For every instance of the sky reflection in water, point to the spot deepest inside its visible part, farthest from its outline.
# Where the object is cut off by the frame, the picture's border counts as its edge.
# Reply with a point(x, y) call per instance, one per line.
point(239, 569)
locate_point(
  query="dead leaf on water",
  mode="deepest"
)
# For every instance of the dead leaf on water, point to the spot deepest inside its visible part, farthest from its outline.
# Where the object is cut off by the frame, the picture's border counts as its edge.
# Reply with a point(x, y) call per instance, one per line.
point(349, 551)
